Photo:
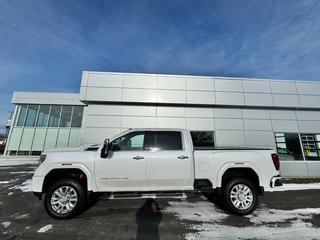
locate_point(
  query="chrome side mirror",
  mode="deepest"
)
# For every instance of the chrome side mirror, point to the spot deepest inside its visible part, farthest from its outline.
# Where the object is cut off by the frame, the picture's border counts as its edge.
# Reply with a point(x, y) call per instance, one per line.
point(105, 149)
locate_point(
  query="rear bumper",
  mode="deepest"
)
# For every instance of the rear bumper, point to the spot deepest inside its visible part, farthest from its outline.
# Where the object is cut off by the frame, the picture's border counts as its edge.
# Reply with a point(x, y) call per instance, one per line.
point(276, 181)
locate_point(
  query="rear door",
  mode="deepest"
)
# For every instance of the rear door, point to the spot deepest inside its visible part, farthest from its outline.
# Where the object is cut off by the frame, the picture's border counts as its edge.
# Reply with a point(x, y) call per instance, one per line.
point(169, 162)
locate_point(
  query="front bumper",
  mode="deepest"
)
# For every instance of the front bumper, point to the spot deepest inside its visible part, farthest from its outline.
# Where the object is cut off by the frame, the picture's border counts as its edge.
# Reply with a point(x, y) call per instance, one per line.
point(276, 181)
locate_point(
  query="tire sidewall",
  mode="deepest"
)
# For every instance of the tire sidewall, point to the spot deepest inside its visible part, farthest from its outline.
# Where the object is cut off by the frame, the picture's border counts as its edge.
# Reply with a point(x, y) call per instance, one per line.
point(228, 203)
point(79, 205)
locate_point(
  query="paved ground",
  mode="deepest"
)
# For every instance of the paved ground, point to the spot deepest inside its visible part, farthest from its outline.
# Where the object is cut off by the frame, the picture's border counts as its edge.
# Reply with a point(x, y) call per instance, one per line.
point(281, 215)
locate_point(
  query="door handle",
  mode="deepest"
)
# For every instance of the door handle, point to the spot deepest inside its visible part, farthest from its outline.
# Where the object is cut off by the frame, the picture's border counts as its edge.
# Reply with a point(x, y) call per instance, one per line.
point(138, 158)
point(183, 157)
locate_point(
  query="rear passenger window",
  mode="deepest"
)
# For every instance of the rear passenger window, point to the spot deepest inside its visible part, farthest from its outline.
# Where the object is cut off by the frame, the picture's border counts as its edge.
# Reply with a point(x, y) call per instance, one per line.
point(166, 140)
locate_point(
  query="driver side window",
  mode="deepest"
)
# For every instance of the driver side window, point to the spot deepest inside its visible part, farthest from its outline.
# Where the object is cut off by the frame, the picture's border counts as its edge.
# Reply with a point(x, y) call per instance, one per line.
point(130, 142)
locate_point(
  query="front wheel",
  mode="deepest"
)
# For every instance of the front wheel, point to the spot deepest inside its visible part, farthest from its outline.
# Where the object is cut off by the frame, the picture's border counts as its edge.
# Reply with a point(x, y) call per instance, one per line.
point(240, 196)
point(64, 199)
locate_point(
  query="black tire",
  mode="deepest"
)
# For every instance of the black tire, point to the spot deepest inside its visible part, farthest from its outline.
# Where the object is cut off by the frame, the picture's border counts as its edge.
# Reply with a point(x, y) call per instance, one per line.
point(77, 199)
point(240, 196)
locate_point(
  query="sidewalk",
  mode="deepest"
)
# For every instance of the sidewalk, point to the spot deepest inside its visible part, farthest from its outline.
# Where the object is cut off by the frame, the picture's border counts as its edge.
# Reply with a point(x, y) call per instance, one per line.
point(18, 160)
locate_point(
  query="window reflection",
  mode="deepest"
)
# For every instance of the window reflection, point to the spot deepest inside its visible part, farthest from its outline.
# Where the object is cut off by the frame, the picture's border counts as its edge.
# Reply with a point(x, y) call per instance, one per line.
point(66, 116)
point(49, 116)
point(288, 146)
point(43, 116)
point(31, 115)
point(54, 118)
point(22, 114)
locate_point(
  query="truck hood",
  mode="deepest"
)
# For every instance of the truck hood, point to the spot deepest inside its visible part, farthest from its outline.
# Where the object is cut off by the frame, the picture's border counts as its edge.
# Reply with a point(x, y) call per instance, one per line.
point(88, 147)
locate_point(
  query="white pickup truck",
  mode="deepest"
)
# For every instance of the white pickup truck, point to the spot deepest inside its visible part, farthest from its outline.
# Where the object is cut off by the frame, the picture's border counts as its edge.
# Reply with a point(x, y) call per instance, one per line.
point(152, 163)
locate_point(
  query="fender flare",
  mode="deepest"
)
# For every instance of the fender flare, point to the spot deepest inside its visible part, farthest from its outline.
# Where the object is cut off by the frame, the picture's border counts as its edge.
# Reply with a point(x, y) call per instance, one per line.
point(228, 166)
point(56, 166)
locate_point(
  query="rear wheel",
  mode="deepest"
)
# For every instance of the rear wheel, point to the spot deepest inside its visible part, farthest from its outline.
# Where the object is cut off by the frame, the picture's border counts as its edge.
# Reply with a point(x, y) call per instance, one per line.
point(240, 196)
point(65, 199)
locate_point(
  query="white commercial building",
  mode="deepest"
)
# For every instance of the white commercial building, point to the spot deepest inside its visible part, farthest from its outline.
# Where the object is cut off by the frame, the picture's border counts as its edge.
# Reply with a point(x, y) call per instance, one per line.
point(278, 114)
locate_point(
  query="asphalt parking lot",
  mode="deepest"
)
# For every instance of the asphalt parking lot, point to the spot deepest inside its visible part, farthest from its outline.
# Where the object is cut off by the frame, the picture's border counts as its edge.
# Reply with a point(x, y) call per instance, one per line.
point(281, 215)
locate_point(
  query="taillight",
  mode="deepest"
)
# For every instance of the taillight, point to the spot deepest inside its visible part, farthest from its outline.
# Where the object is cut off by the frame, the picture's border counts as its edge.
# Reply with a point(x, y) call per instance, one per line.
point(276, 161)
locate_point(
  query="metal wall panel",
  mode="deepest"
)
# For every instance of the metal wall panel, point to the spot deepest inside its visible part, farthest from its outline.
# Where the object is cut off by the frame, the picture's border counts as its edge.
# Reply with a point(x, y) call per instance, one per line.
point(258, 99)
point(103, 121)
point(171, 112)
point(308, 115)
point(295, 169)
point(226, 85)
point(139, 95)
point(229, 124)
point(199, 83)
point(309, 126)
point(200, 124)
point(312, 88)
point(199, 112)
point(170, 122)
point(229, 98)
point(285, 126)
point(200, 97)
point(105, 79)
point(172, 82)
point(286, 100)
point(257, 124)
point(104, 94)
point(171, 96)
point(140, 81)
point(283, 115)
point(230, 138)
point(255, 114)
point(283, 87)
point(259, 86)
point(309, 101)
point(260, 138)
point(227, 113)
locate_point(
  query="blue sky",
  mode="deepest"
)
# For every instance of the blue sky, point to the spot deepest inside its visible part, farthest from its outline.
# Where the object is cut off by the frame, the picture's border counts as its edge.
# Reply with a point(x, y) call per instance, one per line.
point(45, 44)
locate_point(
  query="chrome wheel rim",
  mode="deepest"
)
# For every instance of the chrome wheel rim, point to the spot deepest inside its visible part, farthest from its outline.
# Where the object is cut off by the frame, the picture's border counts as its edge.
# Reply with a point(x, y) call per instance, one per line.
point(241, 196)
point(64, 199)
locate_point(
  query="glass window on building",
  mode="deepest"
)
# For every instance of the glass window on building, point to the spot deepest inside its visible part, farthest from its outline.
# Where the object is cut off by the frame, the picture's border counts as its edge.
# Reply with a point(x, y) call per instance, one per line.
point(43, 116)
point(31, 115)
point(22, 111)
point(311, 146)
point(77, 116)
point(54, 118)
point(66, 116)
point(288, 146)
point(202, 138)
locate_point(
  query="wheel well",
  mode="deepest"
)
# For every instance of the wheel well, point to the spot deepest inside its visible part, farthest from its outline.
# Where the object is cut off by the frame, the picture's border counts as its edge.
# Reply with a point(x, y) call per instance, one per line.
point(57, 174)
point(247, 173)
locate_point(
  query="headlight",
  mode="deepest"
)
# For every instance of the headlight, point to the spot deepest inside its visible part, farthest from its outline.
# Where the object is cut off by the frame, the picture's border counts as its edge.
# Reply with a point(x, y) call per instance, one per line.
point(42, 158)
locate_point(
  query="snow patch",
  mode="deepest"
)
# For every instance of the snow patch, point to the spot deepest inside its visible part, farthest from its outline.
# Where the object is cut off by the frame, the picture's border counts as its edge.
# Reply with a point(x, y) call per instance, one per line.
point(26, 186)
point(21, 216)
point(6, 224)
point(17, 162)
point(4, 182)
point(10, 193)
point(205, 221)
point(45, 228)
point(197, 211)
point(22, 172)
point(295, 186)
point(9, 181)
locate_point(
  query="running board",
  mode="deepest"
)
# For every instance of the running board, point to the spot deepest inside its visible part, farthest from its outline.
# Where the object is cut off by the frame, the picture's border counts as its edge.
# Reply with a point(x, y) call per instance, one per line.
point(142, 195)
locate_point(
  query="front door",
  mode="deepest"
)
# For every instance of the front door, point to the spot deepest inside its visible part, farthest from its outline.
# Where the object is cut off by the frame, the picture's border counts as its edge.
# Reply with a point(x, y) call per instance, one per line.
point(125, 167)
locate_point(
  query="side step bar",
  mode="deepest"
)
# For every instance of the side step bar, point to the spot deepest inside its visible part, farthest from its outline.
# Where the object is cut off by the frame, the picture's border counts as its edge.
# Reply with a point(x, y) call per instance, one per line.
point(142, 195)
